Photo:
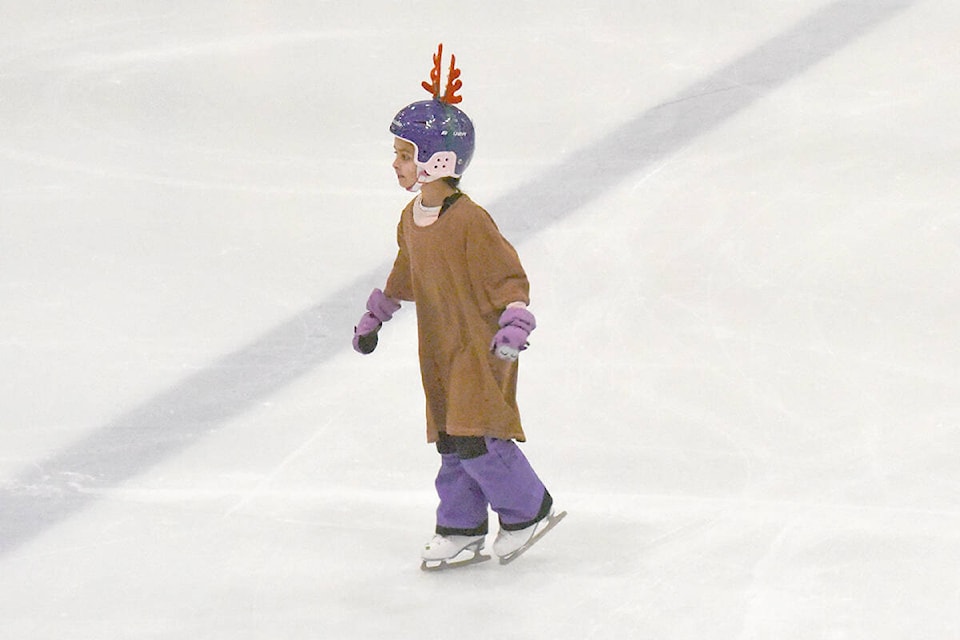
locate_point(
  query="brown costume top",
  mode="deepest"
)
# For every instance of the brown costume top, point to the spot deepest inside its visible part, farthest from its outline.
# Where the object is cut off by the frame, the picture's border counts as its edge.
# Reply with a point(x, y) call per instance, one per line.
point(461, 273)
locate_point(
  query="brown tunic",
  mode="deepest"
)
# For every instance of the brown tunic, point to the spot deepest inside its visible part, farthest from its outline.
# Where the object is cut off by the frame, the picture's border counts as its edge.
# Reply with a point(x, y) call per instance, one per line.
point(461, 273)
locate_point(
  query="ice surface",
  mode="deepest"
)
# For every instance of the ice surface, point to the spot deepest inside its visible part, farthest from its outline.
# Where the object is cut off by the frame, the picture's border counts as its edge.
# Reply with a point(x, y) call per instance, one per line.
point(741, 226)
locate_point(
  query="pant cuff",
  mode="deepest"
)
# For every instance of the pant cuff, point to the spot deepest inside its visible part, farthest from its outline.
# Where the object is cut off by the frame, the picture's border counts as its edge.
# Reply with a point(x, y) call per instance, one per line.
point(544, 510)
point(480, 530)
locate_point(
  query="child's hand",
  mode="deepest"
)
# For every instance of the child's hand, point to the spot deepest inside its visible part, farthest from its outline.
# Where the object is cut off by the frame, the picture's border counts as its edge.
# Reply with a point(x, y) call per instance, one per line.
point(516, 323)
point(380, 308)
point(365, 334)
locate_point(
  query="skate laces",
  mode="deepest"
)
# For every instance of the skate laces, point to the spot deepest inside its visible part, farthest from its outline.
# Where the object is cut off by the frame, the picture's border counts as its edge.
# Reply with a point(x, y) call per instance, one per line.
point(435, 541)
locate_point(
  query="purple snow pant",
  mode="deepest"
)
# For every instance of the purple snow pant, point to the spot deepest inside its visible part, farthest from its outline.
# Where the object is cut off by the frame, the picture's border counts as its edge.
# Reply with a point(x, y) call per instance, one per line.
point(501, 478)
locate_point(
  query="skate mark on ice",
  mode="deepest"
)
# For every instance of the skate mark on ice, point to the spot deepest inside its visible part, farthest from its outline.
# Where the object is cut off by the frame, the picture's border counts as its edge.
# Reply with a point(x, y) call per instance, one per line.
point(48, 492)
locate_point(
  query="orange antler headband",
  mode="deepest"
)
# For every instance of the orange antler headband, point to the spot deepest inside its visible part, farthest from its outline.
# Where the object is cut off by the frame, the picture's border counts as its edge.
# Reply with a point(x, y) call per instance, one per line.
point(453, 79)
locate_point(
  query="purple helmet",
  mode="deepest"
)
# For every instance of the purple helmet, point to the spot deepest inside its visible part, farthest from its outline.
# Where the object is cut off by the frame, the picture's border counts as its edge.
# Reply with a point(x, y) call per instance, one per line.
point(442, 135)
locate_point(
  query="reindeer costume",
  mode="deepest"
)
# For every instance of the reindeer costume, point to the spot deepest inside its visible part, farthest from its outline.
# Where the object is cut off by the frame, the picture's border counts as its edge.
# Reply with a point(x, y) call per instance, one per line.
point(471, 294)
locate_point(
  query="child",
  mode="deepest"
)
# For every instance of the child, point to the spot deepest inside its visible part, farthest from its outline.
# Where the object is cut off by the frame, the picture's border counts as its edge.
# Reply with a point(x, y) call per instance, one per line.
point(471, 297)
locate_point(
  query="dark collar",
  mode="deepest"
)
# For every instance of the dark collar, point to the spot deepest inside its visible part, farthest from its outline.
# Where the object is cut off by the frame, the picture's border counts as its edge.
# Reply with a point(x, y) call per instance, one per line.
point(448, 202)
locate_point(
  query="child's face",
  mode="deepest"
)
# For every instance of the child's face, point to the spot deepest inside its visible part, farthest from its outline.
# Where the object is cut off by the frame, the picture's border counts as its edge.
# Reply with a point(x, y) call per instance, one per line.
point(404, 163)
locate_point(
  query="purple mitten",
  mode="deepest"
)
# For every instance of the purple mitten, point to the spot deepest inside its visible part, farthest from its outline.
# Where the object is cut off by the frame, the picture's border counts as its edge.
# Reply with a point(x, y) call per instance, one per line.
point(365, 334)
point(380, 308)
point(516, 323)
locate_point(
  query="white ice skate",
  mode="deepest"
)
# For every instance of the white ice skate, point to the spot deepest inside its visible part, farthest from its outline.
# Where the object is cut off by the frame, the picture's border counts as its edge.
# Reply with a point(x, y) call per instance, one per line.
point(447, 552)
point(510, 545)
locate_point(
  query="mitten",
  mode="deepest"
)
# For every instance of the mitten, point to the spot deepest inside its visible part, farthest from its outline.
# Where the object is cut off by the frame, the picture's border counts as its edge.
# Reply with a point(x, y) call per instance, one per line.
point(516, 323)
point(380, 308)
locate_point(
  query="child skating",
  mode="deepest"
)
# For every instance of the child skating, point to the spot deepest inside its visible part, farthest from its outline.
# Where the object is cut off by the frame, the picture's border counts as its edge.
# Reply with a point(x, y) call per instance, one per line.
point(471, 295)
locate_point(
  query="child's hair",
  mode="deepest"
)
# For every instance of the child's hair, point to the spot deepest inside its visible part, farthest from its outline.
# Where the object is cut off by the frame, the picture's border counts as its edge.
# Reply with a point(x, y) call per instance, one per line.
point(453, 182)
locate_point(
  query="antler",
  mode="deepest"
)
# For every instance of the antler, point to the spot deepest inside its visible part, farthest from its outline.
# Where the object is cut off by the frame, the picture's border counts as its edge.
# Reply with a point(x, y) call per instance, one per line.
point(433, 87)
point(453, 83)
point(453, 79)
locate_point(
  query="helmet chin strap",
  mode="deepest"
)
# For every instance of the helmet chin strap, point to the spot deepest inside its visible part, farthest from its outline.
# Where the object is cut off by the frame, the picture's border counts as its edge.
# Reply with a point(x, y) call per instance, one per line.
point(422, 178)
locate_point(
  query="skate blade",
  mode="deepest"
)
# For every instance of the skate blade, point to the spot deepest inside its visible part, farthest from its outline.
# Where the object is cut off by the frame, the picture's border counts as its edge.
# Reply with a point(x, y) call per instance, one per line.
point(551, 523)
point(443, 565)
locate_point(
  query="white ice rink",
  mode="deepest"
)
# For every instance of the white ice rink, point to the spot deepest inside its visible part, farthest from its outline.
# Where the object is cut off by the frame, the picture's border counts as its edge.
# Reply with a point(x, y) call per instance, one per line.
point(742, 227)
